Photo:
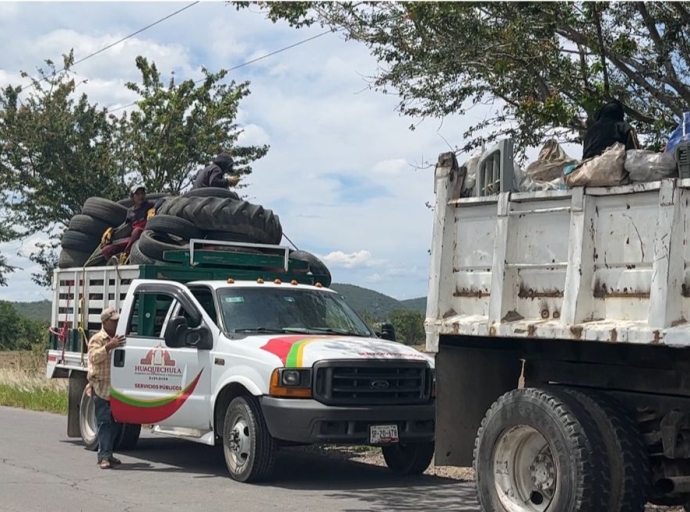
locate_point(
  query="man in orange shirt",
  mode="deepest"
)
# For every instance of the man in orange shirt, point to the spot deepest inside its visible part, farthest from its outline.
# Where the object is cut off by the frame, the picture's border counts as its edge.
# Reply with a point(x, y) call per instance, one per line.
point(101, 346)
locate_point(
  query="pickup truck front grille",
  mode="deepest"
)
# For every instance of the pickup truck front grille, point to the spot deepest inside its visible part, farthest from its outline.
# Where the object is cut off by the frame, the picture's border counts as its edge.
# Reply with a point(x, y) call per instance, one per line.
point(372, 382)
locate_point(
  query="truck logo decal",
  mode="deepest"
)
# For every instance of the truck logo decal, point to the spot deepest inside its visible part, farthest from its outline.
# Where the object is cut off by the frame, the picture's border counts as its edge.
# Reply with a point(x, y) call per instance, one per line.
point(157, 362)
point(127, 409)
point(290, 349)
point(380, 384)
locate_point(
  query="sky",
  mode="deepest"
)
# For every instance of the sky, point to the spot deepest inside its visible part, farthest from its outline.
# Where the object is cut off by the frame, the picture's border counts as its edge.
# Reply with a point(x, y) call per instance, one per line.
point(343, 171)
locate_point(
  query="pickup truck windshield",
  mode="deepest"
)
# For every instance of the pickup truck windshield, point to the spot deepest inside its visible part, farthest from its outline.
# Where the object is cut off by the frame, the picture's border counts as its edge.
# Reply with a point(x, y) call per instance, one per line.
point(287, 310)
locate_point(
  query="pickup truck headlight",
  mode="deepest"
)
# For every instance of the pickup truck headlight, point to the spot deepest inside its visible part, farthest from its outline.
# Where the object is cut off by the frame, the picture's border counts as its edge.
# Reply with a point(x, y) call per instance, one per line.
point(289, 383)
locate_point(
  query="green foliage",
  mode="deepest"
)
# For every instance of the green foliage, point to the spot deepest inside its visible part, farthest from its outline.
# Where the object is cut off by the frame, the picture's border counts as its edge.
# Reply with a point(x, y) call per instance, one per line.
point(551, 64)
point(409, 327)
point(57, 149)
point(19, 333)
point(180, 127)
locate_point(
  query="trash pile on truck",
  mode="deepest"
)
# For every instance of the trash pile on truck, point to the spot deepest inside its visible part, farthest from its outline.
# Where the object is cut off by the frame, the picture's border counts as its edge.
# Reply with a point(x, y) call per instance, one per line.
point(207, 213)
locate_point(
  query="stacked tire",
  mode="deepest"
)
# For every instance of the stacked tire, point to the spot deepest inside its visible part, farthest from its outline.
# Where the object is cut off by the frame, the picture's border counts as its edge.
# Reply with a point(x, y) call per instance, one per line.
point(85, 231)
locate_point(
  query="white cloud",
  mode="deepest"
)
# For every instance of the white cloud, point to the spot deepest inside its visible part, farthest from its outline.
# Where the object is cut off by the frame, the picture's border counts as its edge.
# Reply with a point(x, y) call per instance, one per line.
point(253, 135)
point(362, 258)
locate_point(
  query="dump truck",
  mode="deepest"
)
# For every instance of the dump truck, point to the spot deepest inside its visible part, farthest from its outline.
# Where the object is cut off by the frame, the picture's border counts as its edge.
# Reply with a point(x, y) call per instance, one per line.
point(237, 345)
point(559, 324)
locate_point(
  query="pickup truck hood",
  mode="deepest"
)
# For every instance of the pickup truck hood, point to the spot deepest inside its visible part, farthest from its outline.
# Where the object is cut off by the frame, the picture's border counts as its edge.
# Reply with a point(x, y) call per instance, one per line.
point(302, 351)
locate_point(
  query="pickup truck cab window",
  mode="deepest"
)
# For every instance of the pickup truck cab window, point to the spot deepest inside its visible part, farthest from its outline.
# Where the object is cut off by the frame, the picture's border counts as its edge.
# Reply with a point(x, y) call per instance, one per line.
point(255, 310)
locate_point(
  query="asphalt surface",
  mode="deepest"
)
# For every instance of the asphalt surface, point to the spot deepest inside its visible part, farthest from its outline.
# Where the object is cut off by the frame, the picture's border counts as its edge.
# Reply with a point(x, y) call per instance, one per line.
point(41, 469)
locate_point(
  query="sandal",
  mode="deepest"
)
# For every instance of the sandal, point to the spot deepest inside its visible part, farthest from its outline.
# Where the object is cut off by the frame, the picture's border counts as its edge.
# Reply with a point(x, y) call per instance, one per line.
point(114, 461)
point(105, 464)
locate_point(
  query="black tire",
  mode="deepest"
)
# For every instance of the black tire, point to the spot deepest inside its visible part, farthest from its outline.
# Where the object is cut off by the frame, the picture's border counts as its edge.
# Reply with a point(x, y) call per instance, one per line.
point(629, 468)
point(105, 210)
point(128, 437)
point(136, 257)
point(175, 226)
point(317, 267)
point(408, 459)
point(78, 241)
point(154, 245)
point(70, 258)
point(153, 198)
point(88, 428)
point(221, 193)
point(243, 416)
point(227, 215)
point(575, 463)
point(88, 225)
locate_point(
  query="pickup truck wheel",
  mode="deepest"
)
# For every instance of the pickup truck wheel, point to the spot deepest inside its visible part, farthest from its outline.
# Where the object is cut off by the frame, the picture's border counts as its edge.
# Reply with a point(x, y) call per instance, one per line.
point(128, 436)
point(539, 450)
point(408, 459)
point(248, 446)
point(87, 422)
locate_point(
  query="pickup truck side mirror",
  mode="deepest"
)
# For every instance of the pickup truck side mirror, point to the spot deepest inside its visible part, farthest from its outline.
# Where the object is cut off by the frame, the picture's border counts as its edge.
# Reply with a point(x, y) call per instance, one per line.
point(178, 334)
point(387, 332)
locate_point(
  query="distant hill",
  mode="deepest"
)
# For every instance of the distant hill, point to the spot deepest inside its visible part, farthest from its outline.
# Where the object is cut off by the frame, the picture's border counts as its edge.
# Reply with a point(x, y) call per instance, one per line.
point(362, 300)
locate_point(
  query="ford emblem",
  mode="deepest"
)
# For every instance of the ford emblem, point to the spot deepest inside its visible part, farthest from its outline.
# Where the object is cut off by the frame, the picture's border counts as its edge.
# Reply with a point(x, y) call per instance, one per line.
point(380, 384)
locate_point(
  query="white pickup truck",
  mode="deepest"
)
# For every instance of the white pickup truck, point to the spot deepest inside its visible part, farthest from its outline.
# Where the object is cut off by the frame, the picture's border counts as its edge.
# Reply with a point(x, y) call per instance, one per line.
point(265, 359)
point(559, 320)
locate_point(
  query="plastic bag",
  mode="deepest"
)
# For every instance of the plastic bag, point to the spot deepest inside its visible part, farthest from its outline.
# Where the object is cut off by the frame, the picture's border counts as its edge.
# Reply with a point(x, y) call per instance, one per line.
point(605, 170)
point(550, 163)
point(470, 176)
point(643, 165)
point(680, 134)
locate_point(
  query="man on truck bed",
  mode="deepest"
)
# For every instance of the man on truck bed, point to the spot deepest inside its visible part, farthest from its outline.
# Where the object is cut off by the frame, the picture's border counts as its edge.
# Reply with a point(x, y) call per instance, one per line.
point(137, 216)
point(101, 345)
point(609, 127)
point(213, 174)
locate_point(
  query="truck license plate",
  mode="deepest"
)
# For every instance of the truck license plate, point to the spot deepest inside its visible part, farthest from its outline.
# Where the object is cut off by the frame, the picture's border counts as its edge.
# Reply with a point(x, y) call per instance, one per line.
point(383, 434)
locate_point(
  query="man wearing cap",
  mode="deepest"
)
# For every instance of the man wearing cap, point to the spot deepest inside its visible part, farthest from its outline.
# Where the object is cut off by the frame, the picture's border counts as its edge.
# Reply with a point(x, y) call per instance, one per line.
point(101, 346)
point(213, 174)
point(137, 216)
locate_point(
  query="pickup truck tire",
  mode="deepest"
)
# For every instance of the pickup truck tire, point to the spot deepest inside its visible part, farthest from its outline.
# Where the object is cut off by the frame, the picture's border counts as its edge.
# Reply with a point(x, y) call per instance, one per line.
point(105, 210)
point(154, 245)
point(175, 226)
point(88, 225)
point(408, 459)
point(229, 215)
point(213, 192)
point(128, 437)
point(78, 241)
point(567, 471)
point(629, 469)
point(87, 422)
point(248, 446)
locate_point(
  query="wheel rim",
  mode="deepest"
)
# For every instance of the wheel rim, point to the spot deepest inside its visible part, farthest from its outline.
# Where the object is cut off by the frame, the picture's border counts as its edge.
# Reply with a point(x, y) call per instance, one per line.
point(524, 469)
point(238, 445)
point(88, 420)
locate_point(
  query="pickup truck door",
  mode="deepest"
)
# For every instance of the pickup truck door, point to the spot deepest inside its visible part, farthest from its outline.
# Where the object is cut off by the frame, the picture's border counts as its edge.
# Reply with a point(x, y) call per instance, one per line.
point(163, 374)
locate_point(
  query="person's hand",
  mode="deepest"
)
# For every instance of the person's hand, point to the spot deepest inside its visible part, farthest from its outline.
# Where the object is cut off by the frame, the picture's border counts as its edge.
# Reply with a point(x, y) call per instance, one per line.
point(233, 180)
point(117, 341)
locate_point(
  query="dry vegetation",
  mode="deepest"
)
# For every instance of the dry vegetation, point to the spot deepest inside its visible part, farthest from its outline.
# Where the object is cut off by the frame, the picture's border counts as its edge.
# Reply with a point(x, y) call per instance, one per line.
point(23, 383)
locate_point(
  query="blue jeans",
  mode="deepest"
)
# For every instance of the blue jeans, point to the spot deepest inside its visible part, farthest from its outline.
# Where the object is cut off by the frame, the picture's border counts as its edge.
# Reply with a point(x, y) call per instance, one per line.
point(107, 428)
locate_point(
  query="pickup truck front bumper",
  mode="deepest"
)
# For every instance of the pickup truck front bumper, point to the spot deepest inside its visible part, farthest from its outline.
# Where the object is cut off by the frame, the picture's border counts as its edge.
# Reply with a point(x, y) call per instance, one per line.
point(311, 422)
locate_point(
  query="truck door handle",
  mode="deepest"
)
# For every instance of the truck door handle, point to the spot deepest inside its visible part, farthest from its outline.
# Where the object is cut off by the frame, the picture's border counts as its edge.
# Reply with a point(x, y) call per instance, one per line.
point(119, 358)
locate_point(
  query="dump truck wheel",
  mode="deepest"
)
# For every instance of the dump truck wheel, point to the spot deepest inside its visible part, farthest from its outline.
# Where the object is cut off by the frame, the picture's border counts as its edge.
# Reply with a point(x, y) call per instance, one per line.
point(408, 459)
point(629, 470)
point(247, 444)
point(539, 450)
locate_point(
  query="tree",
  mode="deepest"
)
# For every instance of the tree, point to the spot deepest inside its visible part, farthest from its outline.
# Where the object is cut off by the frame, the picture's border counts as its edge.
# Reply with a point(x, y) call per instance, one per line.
point(409, 326)
point(550, 64)
point(6, 235)
point(180, 127)
point(55, 152)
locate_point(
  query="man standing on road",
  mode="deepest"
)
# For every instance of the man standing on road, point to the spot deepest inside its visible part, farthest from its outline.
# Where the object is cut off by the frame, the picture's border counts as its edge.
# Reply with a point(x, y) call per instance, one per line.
point(214, 175)
point(101, 345)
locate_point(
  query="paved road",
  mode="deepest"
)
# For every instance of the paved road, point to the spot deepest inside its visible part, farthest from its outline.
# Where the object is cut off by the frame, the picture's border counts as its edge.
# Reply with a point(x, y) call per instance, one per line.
point(43, 470)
